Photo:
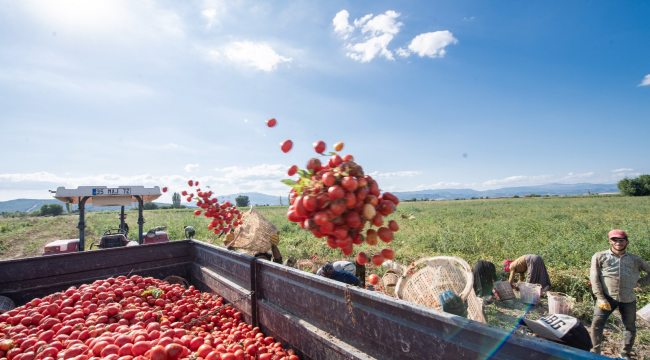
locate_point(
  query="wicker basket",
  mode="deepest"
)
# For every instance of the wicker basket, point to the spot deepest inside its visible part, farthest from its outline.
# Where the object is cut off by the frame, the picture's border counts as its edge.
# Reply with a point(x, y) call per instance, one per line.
point(6, 304)
point(304, 265)
point(254, 234)
point(390, 278)
point(530, 293)
point(441, 273)
point(504, 290)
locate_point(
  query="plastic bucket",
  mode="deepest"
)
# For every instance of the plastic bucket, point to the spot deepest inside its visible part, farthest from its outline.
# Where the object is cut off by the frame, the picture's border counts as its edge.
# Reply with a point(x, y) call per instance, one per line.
point(530, 293)
point(504, 290)
point(560, 303)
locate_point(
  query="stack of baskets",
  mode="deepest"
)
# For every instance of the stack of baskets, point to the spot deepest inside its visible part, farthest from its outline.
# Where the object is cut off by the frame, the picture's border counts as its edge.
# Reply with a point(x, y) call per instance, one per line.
point(424, 286)
point(254, 234)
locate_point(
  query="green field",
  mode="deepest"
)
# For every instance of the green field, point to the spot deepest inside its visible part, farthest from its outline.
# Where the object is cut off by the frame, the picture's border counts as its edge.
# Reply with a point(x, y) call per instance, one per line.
point(565, 231)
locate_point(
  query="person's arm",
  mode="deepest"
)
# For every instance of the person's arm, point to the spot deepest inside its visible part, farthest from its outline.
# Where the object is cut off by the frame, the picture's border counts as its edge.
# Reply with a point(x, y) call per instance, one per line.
point(594, 276)
point(277, 257)
point(512, 276)
point(644, 281)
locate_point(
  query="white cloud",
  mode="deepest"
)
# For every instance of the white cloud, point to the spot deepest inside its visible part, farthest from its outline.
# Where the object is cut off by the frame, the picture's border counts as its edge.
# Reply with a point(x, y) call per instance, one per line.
point(259, 172)
point(431, 44)
point(190, 167)
point(521, 180)
point(443, 185)
point(377, 33)
point(646, 81)
point(257, 55)
point(622, 169)
point(382, 24)
point(210, 15)
point(471, 18)
point(379, 175)
point(366, 51)
point(380, 31)
point(341, 24)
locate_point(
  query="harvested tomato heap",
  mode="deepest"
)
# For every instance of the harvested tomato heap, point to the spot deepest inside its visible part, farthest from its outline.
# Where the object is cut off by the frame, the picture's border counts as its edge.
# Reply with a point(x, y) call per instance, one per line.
point(224, 216)
point(336, 200)
point(134, 318)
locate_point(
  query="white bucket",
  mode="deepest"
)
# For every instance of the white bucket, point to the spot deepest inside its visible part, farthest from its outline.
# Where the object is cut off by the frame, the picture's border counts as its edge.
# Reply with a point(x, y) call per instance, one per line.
point(530, 293)
point(560, 303)
point(644, 313)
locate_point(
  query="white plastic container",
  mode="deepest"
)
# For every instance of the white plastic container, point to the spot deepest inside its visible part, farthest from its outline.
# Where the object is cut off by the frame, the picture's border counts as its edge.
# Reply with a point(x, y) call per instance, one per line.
point(530, 293)
point(644, 313)
point(560, 303)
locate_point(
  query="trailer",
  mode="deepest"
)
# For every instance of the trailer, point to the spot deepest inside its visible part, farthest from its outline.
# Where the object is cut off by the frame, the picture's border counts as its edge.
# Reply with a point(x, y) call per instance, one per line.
point(318, 317)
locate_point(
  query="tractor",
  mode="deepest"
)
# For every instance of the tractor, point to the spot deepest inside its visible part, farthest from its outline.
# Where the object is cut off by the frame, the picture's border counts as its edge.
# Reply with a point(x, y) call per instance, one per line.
point(104, 196)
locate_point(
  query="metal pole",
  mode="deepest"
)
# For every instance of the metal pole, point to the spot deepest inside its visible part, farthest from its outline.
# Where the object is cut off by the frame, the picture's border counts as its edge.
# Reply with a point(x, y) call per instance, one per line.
point(122, 218)
point(82, 223)
point(140, 219)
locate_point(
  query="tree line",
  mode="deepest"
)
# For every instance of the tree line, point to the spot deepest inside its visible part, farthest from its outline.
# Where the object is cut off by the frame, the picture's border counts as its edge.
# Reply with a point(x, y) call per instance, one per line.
point(639, 186)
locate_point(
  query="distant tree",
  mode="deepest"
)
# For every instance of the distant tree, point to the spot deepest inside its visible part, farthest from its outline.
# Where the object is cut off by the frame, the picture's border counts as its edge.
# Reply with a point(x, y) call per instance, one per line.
point(150, 206)
point(52, 209)
point(176, 201)
point(414, 199)
point(242, 200)
point(516, 196)
point(280, 200)
point(639, 186)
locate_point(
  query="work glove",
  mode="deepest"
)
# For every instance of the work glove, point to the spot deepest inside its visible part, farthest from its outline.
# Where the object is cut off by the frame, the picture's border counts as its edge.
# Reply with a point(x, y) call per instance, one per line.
point(604, 304)
point(453, 304)
point(275, 239)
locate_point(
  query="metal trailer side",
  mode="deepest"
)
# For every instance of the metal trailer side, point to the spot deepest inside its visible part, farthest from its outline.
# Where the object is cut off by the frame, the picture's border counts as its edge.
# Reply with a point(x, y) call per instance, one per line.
point(320, 318)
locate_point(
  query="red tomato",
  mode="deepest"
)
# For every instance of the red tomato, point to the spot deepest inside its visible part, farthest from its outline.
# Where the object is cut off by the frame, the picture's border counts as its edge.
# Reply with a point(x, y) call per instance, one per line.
point(271, 122)
point(286, 145)
point(319, 146)
point(362, 258)
point(377, 259)
point(292, 170)
point(385, 234)
point(373, 279)
point(140, 348)
point(387, 254)
point(164, 189)
point(393, 226)
point(158, 353)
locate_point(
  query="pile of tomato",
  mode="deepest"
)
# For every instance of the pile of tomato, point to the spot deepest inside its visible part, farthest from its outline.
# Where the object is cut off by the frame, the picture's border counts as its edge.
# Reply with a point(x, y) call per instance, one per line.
point(132, 318)
point(336, 200)
point(225, 216)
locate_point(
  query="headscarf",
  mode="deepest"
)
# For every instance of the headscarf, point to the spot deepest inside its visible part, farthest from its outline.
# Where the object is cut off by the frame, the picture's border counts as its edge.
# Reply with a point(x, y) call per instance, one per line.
point(327, 270)
point(506, 265)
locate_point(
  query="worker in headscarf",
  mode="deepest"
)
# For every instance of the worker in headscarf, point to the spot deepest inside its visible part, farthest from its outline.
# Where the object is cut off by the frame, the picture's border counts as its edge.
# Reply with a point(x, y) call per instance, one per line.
point(329, 272)
point(485, 274)
point(531, 265)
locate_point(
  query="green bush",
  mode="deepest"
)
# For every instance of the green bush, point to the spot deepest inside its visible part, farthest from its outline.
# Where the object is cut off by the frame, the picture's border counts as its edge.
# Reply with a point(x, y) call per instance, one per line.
point(639, 186)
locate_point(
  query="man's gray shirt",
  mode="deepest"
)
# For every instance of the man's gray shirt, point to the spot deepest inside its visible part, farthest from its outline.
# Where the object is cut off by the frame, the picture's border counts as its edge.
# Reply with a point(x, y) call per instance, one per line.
point(616, 276)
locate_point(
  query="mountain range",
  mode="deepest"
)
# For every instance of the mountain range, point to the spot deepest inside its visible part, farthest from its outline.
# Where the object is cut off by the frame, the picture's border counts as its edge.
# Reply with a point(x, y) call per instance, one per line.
point(259, 199)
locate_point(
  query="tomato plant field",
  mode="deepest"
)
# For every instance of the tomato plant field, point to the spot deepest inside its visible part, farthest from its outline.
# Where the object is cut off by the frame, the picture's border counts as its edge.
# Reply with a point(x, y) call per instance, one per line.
point(565, 231)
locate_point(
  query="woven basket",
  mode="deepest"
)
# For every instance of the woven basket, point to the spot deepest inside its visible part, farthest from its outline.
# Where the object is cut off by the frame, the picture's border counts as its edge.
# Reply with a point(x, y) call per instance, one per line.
point(504, 290)
point(6, 304)
point(177, 280)
point(254, 234)
point(304, 265)
point(440, 273)
point(530, 293)
point(390, 278)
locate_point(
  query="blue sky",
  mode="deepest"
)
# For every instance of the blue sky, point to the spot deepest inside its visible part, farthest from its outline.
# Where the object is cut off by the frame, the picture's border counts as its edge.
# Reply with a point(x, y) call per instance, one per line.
point(425, 95)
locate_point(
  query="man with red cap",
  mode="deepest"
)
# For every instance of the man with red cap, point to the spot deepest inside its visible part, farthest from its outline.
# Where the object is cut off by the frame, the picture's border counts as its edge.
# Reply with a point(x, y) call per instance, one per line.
point(614, 274)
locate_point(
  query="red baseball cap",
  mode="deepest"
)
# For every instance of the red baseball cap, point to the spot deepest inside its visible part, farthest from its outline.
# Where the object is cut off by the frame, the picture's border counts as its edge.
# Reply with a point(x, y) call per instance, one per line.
point(617, 234)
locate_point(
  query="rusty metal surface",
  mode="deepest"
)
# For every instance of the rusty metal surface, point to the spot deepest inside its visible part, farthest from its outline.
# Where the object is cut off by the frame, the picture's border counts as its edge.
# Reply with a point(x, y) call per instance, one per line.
point(23, 279)
point(386, 328)
point(232, 265)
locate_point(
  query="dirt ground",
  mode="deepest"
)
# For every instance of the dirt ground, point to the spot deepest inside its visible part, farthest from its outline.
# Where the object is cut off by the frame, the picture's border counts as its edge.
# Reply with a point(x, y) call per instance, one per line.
point(505, 314)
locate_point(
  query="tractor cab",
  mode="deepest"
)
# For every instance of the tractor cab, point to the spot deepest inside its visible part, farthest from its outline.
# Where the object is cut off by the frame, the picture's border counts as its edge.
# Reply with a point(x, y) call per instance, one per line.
point(105, 196)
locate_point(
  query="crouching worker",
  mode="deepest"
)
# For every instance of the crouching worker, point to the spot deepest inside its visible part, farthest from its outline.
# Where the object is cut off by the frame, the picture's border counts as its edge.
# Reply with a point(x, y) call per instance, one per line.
point(614, 274)
point(339, 275)
point(530, 265)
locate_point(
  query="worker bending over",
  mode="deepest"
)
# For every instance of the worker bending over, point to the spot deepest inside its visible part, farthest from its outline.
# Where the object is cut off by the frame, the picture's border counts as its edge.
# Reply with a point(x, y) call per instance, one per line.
point(533, 265)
